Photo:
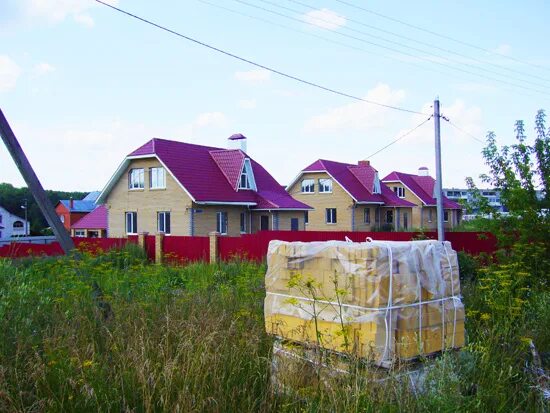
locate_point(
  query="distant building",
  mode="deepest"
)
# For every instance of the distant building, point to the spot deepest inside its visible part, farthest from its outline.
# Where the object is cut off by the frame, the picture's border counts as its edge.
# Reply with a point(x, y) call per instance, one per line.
point(93, 225)
point(12, 225)
point(70, 211)
point(465, 195)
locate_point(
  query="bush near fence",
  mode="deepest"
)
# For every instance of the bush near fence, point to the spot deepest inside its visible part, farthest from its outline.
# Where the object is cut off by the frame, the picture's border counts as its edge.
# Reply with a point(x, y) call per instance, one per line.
point(179, 249)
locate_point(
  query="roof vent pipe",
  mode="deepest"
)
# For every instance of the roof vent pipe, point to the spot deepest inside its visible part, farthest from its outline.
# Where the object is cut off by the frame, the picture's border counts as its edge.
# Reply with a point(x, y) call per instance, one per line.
point(423, 171)
point(237, 141)
point(71, 203)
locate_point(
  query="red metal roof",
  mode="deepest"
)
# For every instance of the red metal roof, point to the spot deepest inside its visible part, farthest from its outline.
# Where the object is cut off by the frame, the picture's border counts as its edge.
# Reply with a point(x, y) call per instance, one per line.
point(211, 174)
point(358, 181)
point(422, 187)
point(97, 219)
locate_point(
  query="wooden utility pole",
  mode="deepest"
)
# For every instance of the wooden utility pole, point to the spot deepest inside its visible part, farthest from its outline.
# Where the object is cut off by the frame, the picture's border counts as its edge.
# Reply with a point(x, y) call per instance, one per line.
point(438, 190)
point(34, 184)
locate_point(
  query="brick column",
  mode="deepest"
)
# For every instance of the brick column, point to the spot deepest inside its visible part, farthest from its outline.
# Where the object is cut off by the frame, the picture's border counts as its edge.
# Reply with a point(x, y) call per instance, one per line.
point(141, 240)
point(159, 253)
point(214, 253)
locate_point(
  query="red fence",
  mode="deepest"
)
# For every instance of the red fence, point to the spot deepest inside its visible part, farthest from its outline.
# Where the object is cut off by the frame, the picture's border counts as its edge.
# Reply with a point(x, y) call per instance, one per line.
point(254, 246)
point(250, 246)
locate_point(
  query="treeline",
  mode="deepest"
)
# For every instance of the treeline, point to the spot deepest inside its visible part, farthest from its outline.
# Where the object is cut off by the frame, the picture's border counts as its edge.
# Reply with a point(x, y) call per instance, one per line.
point(12, 199)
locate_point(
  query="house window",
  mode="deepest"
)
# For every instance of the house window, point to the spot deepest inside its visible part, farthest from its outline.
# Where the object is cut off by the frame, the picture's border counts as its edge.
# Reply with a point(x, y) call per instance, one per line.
point(245, 183)
point(157, 178)
point(135, 179)
point(80, 233)
point(325, 185)
point(131, 222)
point(399, 191)
point(389, 217)
point(163, 222)
point(445, 216)
point(331, 215)
point(308, 186)
point(429, 215)
point(247, 180)
point(306, 217)
point(17, 225)
point(62, 218)
point(243, 222)
point(221, 222)
point(367, 216)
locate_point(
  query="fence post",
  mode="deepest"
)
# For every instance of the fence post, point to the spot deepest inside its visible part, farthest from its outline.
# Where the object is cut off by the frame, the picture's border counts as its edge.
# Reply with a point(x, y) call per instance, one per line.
point(141, 240)
point(214, 253)
point(159, 241)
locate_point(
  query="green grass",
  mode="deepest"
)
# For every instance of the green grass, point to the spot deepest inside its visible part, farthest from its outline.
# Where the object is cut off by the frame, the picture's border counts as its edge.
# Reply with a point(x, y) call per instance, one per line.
point(160, 338)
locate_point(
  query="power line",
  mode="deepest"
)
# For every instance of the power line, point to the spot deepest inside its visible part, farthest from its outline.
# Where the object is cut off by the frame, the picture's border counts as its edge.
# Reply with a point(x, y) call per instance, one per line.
point(387, 47)
point(242, 59)
point(443, 36)
point(400, 137)
point(443, 49)
point(462, 130)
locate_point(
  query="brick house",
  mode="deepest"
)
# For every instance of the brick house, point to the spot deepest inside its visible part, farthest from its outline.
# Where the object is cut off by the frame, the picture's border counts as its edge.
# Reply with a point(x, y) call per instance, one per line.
point(185, 189)
point(349, 197)
point(419, 189)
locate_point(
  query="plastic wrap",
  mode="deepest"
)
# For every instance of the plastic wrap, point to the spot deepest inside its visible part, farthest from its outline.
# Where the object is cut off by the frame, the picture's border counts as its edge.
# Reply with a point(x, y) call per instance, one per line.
point(380, 300)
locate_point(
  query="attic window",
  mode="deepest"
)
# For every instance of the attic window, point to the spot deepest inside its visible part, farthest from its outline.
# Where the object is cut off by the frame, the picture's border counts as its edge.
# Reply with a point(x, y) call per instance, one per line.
point(247, 180)
point(376, 187)
point(399, 191)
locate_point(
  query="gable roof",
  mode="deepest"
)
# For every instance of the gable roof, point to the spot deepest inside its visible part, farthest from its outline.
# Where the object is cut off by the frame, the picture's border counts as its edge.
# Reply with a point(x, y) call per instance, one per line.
point(358, 181)
point(97, 219)
point(211, 175)
point(422, 187)
point(78, 205)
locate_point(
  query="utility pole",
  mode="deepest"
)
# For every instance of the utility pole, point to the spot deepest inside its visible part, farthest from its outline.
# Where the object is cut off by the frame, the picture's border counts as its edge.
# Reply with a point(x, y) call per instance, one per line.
point(438, 190)
point(34, 184)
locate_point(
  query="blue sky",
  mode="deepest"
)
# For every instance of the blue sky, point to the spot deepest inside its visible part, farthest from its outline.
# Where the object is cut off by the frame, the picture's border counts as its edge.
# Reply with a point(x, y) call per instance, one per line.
point(83, 85)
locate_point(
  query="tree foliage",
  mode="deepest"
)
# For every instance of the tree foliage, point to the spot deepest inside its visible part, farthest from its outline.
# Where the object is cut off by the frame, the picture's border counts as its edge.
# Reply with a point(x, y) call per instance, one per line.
point(12, 199)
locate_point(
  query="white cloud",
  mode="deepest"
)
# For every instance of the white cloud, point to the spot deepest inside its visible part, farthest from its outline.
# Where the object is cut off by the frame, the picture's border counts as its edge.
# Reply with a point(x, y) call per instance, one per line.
point(325, 19)
point(9, 73)
point(43, 68)
point(56, 11)
point(503, 48)
point(215, 119)
point(254, 76)
point(247, 103)
point(358, 116)
point(85, 20)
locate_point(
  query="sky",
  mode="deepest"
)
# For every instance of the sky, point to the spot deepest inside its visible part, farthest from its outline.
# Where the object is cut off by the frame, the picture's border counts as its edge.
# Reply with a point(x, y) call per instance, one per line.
point(83, 85)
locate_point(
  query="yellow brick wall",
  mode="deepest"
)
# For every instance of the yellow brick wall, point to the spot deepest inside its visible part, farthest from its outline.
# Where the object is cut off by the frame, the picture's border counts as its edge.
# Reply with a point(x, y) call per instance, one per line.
point(205, 221)
point(147, 202)
point(338, 199)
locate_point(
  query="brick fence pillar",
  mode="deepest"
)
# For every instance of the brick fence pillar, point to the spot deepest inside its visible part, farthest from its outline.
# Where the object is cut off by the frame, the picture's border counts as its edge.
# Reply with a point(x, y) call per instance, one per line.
point(141, 240)
point(214, 253)
point(159, 244)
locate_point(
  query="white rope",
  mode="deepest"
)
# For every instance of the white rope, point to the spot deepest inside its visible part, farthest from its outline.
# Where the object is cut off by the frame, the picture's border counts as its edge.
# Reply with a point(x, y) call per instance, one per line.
point(452, 293)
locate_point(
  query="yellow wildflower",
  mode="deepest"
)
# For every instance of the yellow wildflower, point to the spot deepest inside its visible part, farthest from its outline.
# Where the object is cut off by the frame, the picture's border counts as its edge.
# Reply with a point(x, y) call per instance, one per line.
point(485, 316)
point(87, 363)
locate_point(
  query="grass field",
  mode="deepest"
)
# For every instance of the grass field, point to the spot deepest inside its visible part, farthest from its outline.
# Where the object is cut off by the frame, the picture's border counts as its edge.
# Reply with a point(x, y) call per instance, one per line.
point(159, 338)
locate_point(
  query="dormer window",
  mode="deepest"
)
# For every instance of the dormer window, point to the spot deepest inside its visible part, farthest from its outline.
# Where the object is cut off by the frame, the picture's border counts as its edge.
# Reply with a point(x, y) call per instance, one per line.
point(247, 180)
point(399, 191)
point(376, 187)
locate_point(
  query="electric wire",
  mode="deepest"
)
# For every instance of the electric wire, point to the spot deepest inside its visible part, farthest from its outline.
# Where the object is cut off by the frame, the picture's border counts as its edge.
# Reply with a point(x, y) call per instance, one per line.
point(443, 49)
point(261, 66)
point(387, 47)
point(462, 130)
point(443, 36)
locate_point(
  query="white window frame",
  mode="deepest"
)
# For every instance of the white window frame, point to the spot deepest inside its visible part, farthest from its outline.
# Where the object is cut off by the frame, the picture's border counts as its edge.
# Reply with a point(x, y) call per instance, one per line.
point(243, 225)
point(157, 178)
point(306, 217)
point(136, 179)
point(222, 222)
point(366, 216)
point(246, 180)
point(80, 233)
point(62, 218)
point(133, 224)
point(399, 191)
point(308, 186)
point(325, 186)
point(331, 216)
point(163, 221)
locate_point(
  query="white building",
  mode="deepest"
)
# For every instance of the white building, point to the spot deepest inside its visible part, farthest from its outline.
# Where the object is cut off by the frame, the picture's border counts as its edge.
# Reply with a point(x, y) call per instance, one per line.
point(12, 226)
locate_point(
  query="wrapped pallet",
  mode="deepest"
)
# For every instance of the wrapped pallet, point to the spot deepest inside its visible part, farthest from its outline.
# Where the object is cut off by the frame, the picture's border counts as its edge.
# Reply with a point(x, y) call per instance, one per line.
point(378, 300)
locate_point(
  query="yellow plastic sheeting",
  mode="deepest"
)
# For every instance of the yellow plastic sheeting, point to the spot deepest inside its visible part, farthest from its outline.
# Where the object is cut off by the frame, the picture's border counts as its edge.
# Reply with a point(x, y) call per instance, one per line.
point(381, 300)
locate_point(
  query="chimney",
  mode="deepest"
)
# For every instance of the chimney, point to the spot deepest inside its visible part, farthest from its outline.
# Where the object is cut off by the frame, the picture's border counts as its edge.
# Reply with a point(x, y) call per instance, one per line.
point(423, 171)
point(237, 141)
point(71, 203)
point(364, 162)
